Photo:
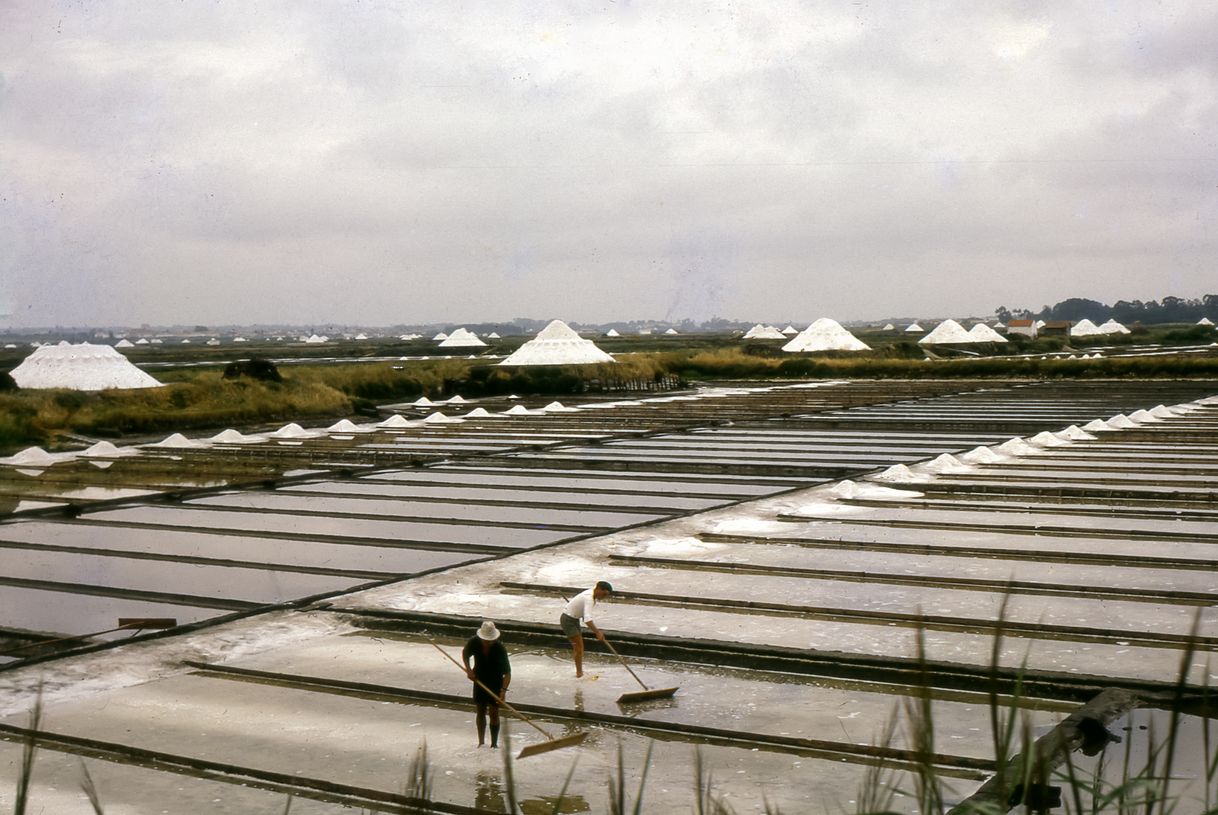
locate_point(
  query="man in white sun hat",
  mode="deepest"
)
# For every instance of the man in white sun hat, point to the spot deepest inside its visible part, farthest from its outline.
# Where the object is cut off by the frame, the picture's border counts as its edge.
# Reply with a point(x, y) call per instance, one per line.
point(493, 669)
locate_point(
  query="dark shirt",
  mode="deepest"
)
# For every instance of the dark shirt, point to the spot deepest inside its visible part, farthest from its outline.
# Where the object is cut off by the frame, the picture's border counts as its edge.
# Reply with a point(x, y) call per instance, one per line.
point(491, 667)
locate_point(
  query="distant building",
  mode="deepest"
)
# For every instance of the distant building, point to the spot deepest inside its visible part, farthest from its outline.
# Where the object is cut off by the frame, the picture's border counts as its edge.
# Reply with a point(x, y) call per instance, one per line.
point(1025, 327)
point(1055, 328)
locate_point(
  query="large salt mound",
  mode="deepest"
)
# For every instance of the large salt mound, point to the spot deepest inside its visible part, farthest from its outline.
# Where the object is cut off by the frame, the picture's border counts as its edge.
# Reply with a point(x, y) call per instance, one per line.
point(82, 367)
point(557, 344)
point(983, 333)
point(31, 456)
point(105, 449)
point(948, 332)
point(1112, 327)
point(764, 332)
point(462, 338)
point(1085, 328)
point(825, 335)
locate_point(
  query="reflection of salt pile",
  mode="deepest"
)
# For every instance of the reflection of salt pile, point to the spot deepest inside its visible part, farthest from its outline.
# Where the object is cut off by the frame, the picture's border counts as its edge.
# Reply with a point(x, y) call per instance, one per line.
point(825, 335)
point(557, 344)
point(461, 338)
point(82, 367)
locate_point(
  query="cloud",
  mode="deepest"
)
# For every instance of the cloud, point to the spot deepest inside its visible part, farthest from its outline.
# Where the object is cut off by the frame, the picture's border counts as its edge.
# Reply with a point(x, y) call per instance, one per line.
point(241, 162)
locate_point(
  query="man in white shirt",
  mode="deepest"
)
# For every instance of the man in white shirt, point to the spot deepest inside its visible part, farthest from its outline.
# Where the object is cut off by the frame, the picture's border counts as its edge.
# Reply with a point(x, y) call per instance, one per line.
point(581, 607)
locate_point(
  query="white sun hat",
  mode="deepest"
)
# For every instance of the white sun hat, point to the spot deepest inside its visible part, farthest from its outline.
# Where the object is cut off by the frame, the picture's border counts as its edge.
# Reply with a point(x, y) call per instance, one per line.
point(487, 631)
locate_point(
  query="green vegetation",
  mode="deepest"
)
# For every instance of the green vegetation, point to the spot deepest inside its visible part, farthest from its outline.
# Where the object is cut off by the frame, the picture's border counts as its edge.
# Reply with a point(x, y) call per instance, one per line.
point(198, 398)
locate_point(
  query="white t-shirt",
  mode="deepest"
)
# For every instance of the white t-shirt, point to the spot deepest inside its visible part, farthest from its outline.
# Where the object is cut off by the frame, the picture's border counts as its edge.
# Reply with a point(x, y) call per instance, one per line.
point(581, 606)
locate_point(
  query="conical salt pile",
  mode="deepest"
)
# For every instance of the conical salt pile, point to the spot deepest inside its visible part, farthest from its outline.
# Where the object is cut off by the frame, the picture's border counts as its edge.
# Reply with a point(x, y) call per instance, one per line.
point(764, 332)
point(82, 367)
point(613, 332)
point(1205, 321)
point(557, 344)
point(983, 333)
point(914, 328)
point(462, 338)
point(1112, 327)
point(825, 335)
point(897, 473)
point(1085, 328)
point(948, 332)
point(790, 330)
point(396, 420)
point(231, 436)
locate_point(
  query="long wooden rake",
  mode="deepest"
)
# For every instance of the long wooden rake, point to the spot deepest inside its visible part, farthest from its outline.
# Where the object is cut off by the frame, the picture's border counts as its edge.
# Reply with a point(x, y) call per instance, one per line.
point(551, 742)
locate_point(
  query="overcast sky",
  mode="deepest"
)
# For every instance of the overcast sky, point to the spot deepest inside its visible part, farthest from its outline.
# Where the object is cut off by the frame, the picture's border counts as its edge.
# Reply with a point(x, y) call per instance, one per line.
point(378, 163)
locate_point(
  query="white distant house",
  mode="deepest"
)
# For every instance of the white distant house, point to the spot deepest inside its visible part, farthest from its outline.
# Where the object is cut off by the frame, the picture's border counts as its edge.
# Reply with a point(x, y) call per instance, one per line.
point(557, 344)
point(948, 332)
point(82, 367)
point(461, 338)
point(1025, 328)
point(825, 335)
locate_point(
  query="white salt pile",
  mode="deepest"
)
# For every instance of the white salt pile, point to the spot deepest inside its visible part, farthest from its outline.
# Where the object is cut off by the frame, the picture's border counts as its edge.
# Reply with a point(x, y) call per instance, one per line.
point(789, 330)
point(612, 333)
point(1084, 328)
point(479, 413)
point(671, 331)
point(1163, 412)
point(231, 436)
point(948, 332)
point(461, 338)
point(347, 426)
point(1075, 433)
point(104, 449)
point(82, 367)
point(983, 333)
point(558, 407)
point(440, 336)
point(493, 335)
point(764, 332)
point(177, 440)
point(31, 457)
point(914, 328)
point(440, 418)
point(1112, 327)
point(1121, 422)
point(423, 401)
point(897, 473)
point(396, 420)
point(1046, 439)
point(292, 431)
point(981, 455)
point(456, 399)
point(557, 344)
point(1016, 447)
point(1097, 425)
point(1144, 417)
point(124, 343)
point(516, 410)
point(945, 463)
point(825, 335)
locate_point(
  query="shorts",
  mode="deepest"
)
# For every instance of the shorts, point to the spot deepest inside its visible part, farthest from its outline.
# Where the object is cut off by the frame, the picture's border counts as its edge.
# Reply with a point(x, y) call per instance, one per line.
point(570, 625)
point(481, 697)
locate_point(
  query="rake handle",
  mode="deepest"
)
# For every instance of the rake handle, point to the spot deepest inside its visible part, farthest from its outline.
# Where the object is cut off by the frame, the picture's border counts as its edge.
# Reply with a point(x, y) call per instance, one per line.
point(494, 695)
point(624, 663)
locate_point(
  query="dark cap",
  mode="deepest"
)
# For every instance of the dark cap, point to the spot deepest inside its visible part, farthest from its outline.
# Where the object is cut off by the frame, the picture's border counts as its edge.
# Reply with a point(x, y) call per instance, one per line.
point(604, 584)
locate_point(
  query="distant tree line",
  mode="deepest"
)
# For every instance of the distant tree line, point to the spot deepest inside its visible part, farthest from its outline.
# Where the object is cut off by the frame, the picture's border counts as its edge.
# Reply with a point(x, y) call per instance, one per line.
point(1167, 310)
